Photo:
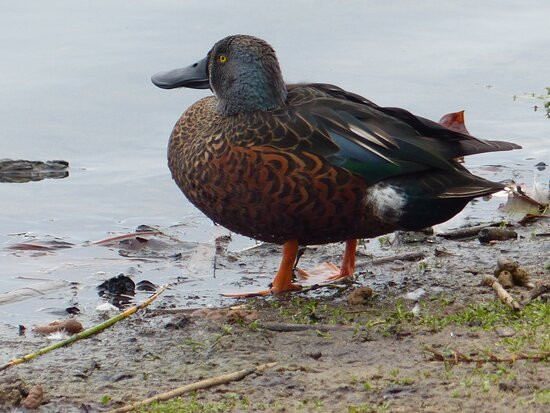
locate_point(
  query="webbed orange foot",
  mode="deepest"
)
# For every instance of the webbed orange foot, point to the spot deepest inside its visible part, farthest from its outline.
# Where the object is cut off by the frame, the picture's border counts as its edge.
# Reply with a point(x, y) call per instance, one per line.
point(328, 272)
point(283, 280)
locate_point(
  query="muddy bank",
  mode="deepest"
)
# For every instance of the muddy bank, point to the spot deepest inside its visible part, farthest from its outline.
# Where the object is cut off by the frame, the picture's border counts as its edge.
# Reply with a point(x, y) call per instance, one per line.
point(376, 356)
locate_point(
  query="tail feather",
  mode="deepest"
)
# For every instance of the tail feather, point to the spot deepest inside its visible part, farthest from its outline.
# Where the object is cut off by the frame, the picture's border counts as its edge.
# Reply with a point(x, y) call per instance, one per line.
point(471, 147)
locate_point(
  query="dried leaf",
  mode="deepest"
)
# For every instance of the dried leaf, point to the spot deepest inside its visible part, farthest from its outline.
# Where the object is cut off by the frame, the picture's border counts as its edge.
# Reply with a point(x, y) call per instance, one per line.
point(454, 121)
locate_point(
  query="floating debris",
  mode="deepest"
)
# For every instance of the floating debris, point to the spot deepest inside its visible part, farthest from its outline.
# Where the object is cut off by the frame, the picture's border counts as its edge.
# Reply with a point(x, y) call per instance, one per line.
point(145, 285)
point(20, 171)
point(41, 245)
point(118, 290)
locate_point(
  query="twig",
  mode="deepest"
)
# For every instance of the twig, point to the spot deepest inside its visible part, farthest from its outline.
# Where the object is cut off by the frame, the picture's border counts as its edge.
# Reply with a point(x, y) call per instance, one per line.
point(467, 232)
point(413, 256)
point(287, 327)
point(203, 384)
point(540, 288)
point(501, 293)
point(86, 333)
point(117, 238)
point(456, 357)
point(529, 218)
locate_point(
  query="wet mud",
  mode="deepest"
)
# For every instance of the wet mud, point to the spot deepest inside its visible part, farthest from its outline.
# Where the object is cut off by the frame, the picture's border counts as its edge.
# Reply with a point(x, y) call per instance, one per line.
point(423, 334)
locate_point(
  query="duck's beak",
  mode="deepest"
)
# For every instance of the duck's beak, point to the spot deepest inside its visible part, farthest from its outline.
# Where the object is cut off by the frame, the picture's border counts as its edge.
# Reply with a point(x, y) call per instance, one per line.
point(194, 77)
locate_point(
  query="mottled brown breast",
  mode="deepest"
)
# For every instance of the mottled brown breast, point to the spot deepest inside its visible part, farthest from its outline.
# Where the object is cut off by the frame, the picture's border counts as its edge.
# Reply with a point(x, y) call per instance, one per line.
point(259, 190)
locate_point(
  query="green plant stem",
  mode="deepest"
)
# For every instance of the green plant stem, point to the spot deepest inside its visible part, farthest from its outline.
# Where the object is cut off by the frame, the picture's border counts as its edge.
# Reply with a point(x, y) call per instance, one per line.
point(86, 333)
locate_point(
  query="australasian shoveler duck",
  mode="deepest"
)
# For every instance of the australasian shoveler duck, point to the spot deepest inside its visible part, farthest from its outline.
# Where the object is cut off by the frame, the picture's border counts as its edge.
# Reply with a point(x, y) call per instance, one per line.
point(310, 163)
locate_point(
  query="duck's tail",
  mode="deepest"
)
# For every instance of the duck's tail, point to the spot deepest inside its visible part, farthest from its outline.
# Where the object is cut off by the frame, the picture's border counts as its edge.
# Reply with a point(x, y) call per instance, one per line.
point(435, 197)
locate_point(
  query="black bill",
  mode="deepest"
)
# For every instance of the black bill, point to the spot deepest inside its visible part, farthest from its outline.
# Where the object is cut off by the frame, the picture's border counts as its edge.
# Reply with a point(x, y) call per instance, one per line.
point(194, 77)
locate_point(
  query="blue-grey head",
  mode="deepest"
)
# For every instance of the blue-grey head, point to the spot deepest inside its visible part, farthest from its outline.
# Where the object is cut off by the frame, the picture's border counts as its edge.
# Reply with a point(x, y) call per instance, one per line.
point(242, 71)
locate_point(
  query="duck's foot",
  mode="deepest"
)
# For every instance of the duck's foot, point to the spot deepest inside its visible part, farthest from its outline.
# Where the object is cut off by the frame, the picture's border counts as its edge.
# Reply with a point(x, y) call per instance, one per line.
point(263, 293)
point(326, 272)
point(283, 280)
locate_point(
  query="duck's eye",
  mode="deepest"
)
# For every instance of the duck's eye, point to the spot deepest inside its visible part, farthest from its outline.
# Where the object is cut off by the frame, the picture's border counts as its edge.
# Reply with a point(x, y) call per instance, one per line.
point(222, 58)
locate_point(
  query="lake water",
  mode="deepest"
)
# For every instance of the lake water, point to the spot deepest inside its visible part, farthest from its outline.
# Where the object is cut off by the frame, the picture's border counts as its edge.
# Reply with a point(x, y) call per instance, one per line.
point(75, 86)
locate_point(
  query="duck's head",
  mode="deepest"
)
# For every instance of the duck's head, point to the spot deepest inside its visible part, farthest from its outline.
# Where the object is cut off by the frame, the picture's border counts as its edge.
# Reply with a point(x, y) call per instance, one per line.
point(242, 71)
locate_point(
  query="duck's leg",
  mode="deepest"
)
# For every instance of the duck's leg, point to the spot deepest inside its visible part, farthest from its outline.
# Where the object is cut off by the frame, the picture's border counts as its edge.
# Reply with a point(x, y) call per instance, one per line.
point(348, 262)
point(328, 272)
point(283, 280)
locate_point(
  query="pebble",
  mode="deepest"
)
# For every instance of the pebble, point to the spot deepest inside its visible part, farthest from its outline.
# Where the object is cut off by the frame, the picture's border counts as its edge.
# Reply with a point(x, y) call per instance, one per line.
point(415, 295)
point(505, 332)
point(359, 295)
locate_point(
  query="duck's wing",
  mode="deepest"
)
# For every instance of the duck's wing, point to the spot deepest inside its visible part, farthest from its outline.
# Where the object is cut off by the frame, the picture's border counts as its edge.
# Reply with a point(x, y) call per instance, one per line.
point(469, 145)
point(355, 134)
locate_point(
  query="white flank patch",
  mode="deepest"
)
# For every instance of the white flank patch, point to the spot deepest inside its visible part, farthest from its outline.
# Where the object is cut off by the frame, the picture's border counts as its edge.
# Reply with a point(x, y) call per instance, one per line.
point(387, 201)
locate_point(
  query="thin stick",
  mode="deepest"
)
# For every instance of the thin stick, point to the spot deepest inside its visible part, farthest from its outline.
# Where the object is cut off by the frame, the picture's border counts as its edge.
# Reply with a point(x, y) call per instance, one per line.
point(203, 384)
point(540, 288)
point(123, 237)
point(466, 232)
point(501, 293)
point(411, 256)
point(86, 333)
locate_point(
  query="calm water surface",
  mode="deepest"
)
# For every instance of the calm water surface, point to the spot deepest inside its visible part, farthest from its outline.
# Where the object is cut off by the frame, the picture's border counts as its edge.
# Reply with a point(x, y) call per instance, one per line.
point(75, 86)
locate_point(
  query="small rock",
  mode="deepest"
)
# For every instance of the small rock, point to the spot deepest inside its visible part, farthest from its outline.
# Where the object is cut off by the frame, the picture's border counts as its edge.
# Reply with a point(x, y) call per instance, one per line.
point(146, 285)
point(506, 264)
point(505, 332)
point(34, 398)
point(415, 295)
point(70, 326)
point(505, 279)
point(106, 309)
point(359, 295)
point(416, 310)
point(521, 277)
point(508, 386)
point(315, 356)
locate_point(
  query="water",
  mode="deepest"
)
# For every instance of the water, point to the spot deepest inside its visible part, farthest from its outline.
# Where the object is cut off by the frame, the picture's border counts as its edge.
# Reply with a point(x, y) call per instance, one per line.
point(75, 86)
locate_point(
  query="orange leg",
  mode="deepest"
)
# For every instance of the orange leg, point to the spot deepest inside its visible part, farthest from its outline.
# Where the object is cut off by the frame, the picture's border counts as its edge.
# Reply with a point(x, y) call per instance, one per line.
point(283, 280)
point(348, 262)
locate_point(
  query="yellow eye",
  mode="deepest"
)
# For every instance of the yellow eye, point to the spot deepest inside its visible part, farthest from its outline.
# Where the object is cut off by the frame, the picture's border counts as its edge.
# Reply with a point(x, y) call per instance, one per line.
point(222, 58)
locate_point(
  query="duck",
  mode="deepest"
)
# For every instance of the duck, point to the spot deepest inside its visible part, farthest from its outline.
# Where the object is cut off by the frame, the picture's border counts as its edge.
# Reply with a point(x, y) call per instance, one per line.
point(311, 163)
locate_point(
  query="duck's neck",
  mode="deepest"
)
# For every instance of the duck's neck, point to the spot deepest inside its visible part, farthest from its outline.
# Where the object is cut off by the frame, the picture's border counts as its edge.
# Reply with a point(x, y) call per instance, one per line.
point(252, 89)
